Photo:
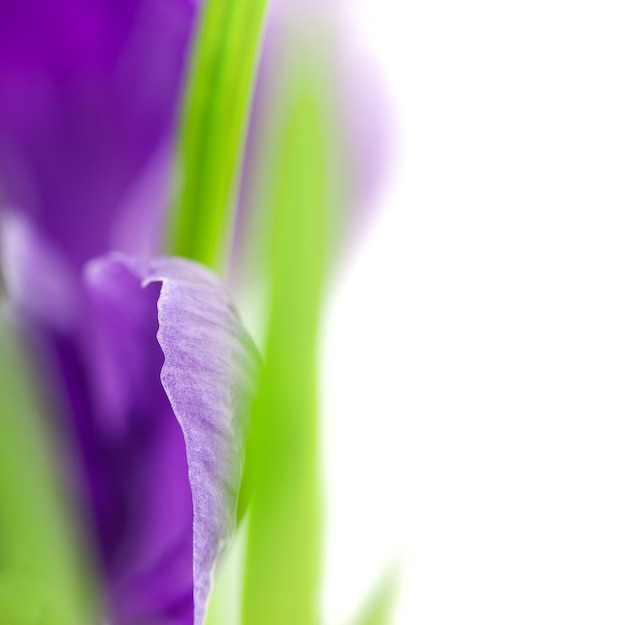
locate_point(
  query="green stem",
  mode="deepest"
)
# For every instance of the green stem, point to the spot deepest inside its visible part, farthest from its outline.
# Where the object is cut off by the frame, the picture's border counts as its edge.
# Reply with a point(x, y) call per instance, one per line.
point(284, 544)
point(214, 127)
point(43, 575)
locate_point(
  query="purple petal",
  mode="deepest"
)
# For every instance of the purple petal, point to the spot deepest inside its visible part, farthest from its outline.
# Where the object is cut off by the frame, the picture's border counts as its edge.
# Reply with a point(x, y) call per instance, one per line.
point(207, 376)
point(88, 97)
point(150, 373)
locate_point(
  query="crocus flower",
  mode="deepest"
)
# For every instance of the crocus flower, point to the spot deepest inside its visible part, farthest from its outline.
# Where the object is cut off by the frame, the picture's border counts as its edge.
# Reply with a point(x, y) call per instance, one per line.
point(144, 362)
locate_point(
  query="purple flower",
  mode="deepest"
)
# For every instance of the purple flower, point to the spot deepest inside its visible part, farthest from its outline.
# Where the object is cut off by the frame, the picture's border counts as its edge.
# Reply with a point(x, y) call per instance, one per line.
point(88, 93)
point(146, 366)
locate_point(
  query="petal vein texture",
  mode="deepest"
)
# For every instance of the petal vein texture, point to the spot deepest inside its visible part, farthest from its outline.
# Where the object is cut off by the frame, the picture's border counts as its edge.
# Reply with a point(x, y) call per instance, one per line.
point(208, 375)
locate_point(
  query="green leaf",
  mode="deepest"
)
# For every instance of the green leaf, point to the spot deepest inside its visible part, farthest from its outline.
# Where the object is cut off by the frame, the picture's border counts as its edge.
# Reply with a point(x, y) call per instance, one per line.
point(380, 605)
point(284, 542)
point(214, 126)
point(42, 574)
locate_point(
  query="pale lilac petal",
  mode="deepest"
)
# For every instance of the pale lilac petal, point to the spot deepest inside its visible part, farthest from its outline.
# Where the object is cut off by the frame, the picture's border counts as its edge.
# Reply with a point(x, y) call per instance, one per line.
point(208, 374)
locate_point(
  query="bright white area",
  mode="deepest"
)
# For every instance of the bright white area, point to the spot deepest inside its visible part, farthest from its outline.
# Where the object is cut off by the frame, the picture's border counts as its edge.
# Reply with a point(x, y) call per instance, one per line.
point(475, 349)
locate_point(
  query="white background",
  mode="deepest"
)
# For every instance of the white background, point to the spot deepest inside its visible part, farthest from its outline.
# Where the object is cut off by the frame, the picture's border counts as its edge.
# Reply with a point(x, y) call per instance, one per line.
point(475, 347)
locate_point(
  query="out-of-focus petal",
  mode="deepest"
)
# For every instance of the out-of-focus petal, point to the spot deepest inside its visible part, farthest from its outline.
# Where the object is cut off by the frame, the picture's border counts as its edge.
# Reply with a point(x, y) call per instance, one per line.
point(88, 95)
point(207, 376)
point(40, 283)
point(321, 38)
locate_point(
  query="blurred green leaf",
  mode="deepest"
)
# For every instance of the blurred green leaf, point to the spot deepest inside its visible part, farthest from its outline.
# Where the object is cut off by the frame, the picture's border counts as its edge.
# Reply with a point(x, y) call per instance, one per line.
point(214, 127)
point(284, 543)
point(42, 575)
point(380, 605)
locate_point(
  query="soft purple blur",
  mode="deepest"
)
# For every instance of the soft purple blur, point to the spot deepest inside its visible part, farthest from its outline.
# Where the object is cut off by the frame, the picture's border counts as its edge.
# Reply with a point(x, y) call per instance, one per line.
point(134, 450)
point(88, 94)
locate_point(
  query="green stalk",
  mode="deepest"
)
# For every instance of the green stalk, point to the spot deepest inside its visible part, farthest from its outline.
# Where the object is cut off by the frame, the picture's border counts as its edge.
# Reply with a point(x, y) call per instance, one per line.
point(379, 608)
point(42, 573)
point(214, 127)
point(284, 544)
